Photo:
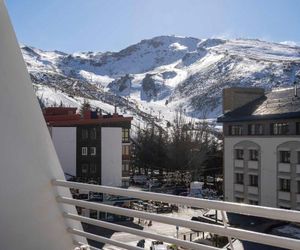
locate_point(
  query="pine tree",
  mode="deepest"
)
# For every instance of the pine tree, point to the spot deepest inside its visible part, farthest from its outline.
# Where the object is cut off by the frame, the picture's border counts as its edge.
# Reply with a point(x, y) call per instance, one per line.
point(85, 107)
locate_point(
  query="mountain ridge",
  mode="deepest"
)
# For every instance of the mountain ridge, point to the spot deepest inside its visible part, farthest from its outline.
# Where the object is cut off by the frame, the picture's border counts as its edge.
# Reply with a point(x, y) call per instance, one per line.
point(159, 75)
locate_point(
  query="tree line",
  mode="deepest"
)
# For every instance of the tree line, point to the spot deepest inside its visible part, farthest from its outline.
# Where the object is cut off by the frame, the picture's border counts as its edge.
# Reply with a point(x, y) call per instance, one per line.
point(183, 146)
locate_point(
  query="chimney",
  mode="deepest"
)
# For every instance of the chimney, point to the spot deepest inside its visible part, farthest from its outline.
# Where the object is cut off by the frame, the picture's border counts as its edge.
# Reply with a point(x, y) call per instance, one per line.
point(234, 98)
point(116, 112)
point(295, 89)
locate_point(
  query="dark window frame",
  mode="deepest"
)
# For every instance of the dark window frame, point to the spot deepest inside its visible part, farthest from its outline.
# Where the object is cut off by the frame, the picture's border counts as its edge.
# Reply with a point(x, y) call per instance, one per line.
point(239, 154)
point(253, 180)
point(284, 156)
point(284, 185)
point(253, 154)
point(239, 178)
point(125, 135)
point(235, 130)
point(256, 129)
point(279, 128)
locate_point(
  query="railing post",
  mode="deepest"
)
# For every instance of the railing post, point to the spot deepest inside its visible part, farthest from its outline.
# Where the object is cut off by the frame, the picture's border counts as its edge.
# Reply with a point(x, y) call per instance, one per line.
point(225, 226)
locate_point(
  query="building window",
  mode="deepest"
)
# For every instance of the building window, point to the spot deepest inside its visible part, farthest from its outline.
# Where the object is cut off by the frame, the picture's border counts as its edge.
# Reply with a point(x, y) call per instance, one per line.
point(253, 202)
point(298, 157)
point(298, 128)
point(298, 187)
point(239, 154)
point(285, 185)
point(93, 168)
point(93, 133)
point(125, 135)
point(253, 180)
point(125, 150)
point(285, 156)
point(253, 154)
point(279, 128)
point(93, 150)
point(235, 130)
point(94, 214)
point(125, 183)
point(239, 178)
point(84, 134)
point(255, 129)
point(84, 168)
point(125, 166)
point(84, 151)
point(239, 200)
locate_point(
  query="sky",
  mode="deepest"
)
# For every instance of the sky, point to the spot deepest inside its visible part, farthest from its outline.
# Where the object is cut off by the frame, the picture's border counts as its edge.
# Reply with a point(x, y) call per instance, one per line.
point(112, 25)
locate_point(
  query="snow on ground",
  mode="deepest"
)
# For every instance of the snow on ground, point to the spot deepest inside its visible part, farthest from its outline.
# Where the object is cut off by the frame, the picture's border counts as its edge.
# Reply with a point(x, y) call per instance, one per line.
point(157, 228)
point(52, 97)
point(93, 78)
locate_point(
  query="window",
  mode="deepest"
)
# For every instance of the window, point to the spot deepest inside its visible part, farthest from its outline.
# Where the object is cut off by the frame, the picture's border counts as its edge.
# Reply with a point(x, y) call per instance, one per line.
point(298, 156)
point(279, 128)
point(239, 178)
point(93, 133)
point(125, 135)
point(93, 168)
point(239, 154)
point(125, 150)
point(235, 130)
point(93, 150)
point(253, 154)
point(253, 202)
point(285, 156)
point(297, 128)
point(298, 187)
point(84, 151)
point(84, 168)
point(84, 134)
point(284, 185)
point(253, 180)
point(93, 214)
point(239, 200)
point(255, 129)
point(125, 166)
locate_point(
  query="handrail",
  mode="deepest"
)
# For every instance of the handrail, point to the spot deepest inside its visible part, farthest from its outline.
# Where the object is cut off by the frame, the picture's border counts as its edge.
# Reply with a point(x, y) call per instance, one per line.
point(119, 228)
point(102, 239)
point(259, 211)
point(247, 235)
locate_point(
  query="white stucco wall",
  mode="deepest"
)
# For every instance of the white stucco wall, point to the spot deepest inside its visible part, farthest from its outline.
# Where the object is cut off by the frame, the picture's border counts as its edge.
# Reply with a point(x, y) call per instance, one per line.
point(111, 154)
point(30, 216)
point(268, 166)
point(64, 140)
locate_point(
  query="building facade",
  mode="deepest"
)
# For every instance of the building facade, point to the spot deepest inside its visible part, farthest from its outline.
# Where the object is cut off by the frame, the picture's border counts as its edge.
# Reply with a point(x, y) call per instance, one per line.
point(262, 147)
point(93, 148)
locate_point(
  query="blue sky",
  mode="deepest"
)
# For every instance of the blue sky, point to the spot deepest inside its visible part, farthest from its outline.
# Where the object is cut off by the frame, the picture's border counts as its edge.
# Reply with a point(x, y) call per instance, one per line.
point(102, 25)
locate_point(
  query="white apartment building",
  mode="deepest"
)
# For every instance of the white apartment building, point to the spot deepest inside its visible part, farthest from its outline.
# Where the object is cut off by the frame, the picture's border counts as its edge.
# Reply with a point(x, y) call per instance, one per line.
point(262, 146)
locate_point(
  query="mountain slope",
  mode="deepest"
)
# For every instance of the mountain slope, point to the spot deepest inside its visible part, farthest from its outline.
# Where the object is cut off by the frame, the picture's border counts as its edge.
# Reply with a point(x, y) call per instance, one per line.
point(156, 76)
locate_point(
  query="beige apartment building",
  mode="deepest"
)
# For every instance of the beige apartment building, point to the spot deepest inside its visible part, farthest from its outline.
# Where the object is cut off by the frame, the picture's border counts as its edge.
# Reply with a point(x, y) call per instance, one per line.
point(262, 146)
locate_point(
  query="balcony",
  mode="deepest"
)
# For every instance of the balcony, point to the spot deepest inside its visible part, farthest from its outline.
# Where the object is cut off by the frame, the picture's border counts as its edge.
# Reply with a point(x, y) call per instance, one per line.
point(239, 187)
point(298, 168)
point(223, 207)
point(284, 196)
point(284, 167)
point(253, 190)
point(239, 163)
point(298, 198)
point(253, 164)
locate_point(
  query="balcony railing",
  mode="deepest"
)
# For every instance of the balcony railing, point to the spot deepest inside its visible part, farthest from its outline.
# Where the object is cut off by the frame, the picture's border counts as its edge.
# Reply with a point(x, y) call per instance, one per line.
point(223, 230)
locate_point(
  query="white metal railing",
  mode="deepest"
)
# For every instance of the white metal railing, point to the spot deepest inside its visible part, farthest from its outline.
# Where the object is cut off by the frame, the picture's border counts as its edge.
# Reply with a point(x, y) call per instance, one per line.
point(225, 230)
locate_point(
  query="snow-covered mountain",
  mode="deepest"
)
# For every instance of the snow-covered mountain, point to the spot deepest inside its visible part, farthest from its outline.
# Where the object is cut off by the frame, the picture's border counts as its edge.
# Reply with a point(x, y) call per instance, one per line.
point(156, 76)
